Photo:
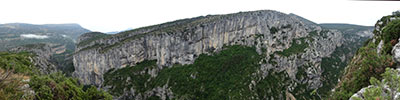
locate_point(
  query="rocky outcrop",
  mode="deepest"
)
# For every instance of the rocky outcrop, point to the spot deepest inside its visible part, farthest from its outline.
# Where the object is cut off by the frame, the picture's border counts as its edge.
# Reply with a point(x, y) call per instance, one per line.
point(360, 94)
point(396, 52)
point(180, 42)
point(42, 56)
point(389, 89)
point(181, 46)
point(371, 60)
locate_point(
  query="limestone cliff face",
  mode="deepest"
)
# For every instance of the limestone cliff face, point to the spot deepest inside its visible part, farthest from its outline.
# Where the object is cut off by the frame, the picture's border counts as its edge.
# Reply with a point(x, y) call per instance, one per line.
point(182, 46)
point(182, 41)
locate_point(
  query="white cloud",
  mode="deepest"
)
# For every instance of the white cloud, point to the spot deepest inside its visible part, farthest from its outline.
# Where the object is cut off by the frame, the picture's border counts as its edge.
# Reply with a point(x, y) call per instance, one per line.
point(116, 15)
point(34, 36)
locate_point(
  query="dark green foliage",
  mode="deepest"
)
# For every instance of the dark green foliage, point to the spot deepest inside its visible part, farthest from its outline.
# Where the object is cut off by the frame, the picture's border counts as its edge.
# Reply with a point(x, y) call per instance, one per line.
point(11, 86)
point(219, 76)
point(19, 62)
point(271, 60)
point(64, 62)
point(295, 48)
point(390, 81)
point(224, 75)
point(333, 66)
point(46, 87)
point(367, 64)
point(153, 97)
point(137, 80)
point(385, 21)
point(273, 30)
point(57, 86)
point(313, 33)
point(391, 32)
point(287, 26)
point(273, 85)
point(259, 35)
point(95, 94)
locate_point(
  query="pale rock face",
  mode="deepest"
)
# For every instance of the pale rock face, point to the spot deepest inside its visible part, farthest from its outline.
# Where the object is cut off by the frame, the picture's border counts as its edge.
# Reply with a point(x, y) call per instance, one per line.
point(386, 90)
point(185, 45)
point(396, 52)
point(360, 94)
point(182, 47)
point(379, 48)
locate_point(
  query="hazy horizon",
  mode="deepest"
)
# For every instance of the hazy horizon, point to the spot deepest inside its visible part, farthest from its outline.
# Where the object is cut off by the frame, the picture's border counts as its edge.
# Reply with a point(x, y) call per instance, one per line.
point(118, 15)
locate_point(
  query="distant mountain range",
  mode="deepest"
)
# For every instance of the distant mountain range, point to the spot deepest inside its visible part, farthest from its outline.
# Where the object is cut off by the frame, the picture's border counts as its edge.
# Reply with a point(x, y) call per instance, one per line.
point(17, 34)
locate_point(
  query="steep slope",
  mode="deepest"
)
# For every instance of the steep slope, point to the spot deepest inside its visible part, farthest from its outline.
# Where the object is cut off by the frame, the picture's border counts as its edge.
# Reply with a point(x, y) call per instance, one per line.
point(17, 34)
point(41, 59)
point(333, 66)
point(371, 59)
point(58, 39)
point(22, 78)
point(289, 52)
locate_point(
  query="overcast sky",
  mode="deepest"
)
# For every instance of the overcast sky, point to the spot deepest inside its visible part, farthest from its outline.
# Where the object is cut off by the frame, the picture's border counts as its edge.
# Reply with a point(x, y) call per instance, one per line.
point(116, 15)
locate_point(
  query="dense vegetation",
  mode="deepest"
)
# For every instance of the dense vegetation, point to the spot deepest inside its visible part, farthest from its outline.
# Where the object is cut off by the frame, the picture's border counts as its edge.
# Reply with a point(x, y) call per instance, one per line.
point(17, 68)
point(227, 74)
point(18, 62)
point(298, 46)
point(57, 86)
point(137, 79)
point(64, 62)
point(390, 35)
point(334, 65)
point(224, 75)
point(383, 90)
point(57, 35)
point(368, 63)
point(11, 86)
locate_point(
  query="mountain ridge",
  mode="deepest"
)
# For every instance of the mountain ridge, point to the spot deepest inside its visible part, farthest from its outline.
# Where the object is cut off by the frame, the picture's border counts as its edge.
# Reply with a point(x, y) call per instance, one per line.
point(16, 34)
point(290, 48)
